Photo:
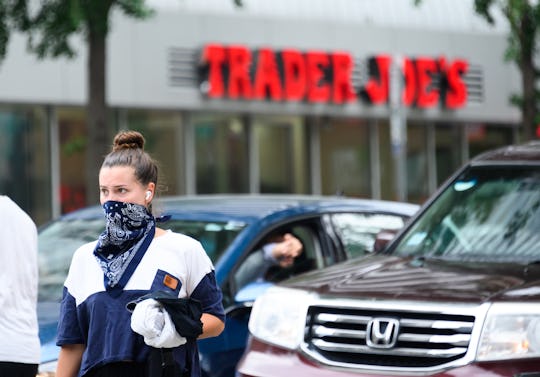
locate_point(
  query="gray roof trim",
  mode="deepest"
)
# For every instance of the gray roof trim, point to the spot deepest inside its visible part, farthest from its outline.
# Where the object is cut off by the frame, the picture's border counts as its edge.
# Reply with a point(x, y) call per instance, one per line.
point(443, 15)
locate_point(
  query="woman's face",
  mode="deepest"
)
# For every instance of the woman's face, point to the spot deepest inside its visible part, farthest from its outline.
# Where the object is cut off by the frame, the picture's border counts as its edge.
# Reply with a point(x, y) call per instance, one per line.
point(119, 183)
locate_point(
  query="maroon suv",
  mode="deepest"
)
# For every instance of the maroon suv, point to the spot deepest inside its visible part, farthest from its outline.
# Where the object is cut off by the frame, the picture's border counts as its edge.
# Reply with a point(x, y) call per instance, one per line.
point(456, 293)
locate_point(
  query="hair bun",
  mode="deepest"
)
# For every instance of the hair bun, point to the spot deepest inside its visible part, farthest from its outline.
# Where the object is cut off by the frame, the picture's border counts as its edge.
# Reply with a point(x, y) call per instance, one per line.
point(128, 140)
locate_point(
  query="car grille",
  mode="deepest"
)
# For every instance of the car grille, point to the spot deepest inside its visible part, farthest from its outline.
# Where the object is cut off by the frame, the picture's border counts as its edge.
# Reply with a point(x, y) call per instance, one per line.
point(361, 338)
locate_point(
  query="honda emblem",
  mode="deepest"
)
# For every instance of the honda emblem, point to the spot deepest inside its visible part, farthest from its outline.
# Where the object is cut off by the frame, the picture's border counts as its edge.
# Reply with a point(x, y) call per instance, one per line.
point(382, 332)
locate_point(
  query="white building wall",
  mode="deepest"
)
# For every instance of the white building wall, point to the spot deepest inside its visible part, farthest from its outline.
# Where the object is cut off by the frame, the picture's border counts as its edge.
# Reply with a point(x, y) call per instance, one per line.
point(139, 52)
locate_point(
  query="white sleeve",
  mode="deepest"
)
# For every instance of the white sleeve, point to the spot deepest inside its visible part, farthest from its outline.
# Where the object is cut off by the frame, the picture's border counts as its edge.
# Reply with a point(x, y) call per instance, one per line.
point(199, 265)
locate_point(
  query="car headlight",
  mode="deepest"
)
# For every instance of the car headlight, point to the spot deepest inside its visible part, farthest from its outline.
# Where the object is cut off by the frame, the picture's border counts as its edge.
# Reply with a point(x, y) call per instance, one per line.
point(510, 331)
point(279, 316)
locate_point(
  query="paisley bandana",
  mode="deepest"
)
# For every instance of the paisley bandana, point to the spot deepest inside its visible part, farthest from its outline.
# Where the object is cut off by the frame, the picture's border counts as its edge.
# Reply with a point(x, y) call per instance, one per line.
point(129, 230)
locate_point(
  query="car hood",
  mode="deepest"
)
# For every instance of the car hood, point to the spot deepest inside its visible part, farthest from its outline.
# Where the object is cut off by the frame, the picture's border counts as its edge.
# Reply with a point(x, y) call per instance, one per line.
point(390, 277)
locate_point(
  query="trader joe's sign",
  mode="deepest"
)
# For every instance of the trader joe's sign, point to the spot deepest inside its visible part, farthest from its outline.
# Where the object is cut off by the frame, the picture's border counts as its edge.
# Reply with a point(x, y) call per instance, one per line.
point(237, 72)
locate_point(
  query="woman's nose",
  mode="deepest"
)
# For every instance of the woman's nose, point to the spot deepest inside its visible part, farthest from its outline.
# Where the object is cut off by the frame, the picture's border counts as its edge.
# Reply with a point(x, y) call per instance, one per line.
point(106, 196)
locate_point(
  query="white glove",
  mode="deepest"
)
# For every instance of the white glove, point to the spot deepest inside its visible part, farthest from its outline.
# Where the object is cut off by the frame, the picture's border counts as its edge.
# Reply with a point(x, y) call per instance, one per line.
point(152, 321)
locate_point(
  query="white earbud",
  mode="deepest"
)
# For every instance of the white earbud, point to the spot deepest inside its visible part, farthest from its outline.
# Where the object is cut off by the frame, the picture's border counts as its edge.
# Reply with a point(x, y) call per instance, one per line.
point(148, 194)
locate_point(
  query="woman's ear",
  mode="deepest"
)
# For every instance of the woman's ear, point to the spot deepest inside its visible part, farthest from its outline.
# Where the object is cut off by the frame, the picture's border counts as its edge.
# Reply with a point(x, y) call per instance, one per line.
point(150, 191)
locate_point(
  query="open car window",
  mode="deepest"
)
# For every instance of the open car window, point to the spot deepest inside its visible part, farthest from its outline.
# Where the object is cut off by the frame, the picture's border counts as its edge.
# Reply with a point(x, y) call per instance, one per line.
point(256, 268)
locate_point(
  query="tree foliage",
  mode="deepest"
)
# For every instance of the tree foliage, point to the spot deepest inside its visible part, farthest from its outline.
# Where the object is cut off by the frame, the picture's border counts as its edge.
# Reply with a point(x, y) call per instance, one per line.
point(56, 21)
point(50, 26)
point(13, 17)
point(523, 17)
point(51, 29)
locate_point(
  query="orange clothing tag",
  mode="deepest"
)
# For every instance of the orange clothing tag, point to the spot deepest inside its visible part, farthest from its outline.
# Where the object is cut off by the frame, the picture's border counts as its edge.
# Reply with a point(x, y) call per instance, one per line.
point(170, 281)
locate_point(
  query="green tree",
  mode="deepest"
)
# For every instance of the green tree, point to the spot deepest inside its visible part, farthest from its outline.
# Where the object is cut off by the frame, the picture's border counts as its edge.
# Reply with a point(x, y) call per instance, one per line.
point(524, 19)
point(13, 16)
point(523, 16)
point(51, 29)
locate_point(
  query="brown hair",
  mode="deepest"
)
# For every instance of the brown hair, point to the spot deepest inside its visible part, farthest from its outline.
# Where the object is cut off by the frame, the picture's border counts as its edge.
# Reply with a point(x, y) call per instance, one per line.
point(128, 150)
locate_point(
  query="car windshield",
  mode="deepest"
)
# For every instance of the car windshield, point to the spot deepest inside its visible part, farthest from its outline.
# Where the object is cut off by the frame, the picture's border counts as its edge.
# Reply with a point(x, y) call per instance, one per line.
point(486, 214)
point(57, 242)
point(61, 238)
point(214, 236)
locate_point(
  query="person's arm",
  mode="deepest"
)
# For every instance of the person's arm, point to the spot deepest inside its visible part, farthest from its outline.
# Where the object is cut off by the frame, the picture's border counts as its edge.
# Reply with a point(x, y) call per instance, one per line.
point(212, 326)
point(69, 360)
point(285, 251)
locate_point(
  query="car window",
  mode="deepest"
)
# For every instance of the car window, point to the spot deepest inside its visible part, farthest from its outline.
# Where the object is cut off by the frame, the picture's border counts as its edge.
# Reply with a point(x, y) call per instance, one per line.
point(57, 242)
point(357, 231)
point(486, 214)
point(256, 268)
point(215, 237)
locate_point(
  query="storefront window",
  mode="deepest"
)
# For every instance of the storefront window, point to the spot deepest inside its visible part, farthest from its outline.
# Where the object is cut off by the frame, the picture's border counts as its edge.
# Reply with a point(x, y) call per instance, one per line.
point(221, 154)
point(25, 173)
point(387, 162)
point(283, 158)
point(448, 150)
point(481, 137)
point(73, 139)
point(345, 162)
point(417, 162)
point(163, 133)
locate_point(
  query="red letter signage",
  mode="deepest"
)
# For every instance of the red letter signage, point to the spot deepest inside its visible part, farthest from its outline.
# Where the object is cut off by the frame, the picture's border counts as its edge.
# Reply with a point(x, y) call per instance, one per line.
point(377, 90)
point(267, 76)
point(343, 66)
point(294, 72)
point(214, 56)
point(239, 73)
point(409, 92)
point(239, 82)
point(318, 89)
point(428, 95)
point(456, 95)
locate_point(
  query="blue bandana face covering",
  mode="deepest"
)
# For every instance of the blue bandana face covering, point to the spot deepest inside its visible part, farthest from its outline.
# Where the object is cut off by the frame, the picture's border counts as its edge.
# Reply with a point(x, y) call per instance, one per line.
point(129, 230)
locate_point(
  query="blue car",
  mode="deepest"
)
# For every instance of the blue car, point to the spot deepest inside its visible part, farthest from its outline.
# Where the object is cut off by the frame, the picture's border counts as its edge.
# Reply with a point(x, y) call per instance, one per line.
point(230, 228)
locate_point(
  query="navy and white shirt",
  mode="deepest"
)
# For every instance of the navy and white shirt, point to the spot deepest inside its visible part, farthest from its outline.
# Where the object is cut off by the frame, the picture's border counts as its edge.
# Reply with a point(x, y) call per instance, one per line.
point(92, 316)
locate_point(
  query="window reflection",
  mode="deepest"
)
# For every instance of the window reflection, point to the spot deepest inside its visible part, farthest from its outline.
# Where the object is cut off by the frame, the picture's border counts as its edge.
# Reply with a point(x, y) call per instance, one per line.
point(283, 159)
point(357, 231)
point(485, 214)
point(57, 243)
point(221, 154)
point(73, 140)
point(163, 132)
point(215, 237)
point(345, 161)
point(25, 172)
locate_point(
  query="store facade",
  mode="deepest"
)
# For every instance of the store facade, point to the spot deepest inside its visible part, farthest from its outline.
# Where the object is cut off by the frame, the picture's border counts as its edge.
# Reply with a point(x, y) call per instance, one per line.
point(240, 102)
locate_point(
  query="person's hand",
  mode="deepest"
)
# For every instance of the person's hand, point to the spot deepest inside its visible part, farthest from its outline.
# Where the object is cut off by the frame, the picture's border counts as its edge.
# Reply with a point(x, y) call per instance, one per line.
point(287, 250)
point(152, 321)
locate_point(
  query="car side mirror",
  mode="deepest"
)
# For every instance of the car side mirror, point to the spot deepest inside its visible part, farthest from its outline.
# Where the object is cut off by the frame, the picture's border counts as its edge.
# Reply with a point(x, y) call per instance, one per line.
point(382, 239)
point(245, 297)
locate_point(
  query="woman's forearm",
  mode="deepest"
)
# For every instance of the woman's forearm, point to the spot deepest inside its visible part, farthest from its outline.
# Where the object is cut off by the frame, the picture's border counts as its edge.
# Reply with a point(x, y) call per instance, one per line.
point(69, 360)
point(212, 326)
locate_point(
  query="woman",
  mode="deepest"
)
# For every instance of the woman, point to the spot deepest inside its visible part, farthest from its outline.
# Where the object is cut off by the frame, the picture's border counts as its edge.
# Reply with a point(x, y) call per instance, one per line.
point(131, 258)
